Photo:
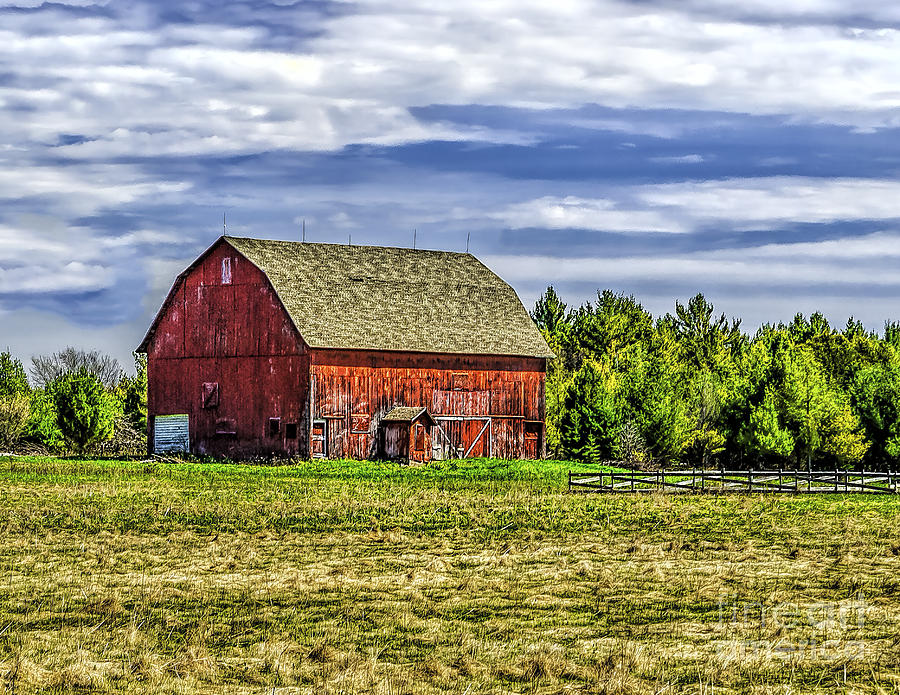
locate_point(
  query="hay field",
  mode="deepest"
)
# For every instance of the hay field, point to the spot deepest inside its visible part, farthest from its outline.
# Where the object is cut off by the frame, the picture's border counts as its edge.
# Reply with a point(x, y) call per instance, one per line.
point(338, 577)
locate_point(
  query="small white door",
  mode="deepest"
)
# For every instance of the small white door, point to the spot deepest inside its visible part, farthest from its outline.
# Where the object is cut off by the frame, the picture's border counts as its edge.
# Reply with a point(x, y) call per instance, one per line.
point(170, 434)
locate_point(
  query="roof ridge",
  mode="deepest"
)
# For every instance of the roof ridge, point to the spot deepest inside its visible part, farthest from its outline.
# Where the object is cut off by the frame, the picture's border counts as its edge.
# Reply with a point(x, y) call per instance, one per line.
point(294, 242)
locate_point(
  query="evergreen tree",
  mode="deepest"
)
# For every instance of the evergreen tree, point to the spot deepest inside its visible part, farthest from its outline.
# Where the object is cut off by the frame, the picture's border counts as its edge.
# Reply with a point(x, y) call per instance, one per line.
point(611, 329)
point(549, 312)
point(652, 400)
point(819, 415)
point(13, 380)
point(85, 411)
point(764, 434)
point(132, 394)
point(692, 388)
point(706, 401)
point(875, 399)
point(42, 426)
point(590, 418)
point(705, 342)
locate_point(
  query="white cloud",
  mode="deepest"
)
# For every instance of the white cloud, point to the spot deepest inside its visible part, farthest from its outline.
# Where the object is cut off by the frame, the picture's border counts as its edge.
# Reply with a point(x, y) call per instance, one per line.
point(880, 246)
point(762, 284)
point(41, 255)
point(180, 89)
point(868, 261)
point(680, 159)
point(752, 203)
point(768, 200)
point(67, 277)
point(571, 212)
point(81, 188)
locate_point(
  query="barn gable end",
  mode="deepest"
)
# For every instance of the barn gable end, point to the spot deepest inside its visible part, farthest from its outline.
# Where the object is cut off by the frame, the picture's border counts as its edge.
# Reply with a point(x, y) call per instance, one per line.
point(223, 351)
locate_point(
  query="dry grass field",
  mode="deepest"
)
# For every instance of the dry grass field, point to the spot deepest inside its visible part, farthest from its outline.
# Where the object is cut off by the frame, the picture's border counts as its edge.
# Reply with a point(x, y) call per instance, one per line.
point(338, 577)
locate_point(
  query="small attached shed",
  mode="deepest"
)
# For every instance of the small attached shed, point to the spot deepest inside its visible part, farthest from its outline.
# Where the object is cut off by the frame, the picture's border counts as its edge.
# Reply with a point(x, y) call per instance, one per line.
point(406, 434)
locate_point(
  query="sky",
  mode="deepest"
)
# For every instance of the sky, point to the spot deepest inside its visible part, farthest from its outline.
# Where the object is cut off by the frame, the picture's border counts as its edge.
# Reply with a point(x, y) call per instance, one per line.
point(660, 148)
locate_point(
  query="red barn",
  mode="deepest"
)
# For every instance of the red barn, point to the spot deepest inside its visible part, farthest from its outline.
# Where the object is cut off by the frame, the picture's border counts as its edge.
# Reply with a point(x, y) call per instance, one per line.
point(325, 350)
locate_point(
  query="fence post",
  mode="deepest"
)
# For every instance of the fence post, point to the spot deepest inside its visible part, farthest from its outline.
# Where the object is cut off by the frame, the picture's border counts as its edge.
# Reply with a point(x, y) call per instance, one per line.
point(749, 480)
point(836, 479)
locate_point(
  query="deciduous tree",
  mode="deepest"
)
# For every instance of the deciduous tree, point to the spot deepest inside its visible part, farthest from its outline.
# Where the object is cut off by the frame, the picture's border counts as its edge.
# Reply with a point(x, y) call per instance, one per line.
point(47, 369)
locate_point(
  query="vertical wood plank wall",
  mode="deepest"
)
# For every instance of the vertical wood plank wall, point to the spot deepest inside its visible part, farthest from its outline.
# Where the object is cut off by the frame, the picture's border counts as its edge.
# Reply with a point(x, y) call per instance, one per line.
point(509, 390)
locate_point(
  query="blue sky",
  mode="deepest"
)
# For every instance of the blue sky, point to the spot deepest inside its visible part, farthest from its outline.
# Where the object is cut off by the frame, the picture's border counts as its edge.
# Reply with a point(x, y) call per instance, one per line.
point(656, 147)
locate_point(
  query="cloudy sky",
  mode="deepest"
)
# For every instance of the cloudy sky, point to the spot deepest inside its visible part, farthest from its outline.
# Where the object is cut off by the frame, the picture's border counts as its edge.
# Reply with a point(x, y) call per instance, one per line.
point(657, 147)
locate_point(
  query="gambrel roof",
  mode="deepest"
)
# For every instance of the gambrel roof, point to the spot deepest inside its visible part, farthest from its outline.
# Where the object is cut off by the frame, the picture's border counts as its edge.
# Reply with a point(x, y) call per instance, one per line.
point(383, 298)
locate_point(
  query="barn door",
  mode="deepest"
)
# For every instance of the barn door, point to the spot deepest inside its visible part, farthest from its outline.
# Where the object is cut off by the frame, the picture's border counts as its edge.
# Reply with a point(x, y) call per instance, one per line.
point(418, 442)
point(463, 437)
point(318, 442)
point(170, 434)
point(476, 438)
point(533, 436)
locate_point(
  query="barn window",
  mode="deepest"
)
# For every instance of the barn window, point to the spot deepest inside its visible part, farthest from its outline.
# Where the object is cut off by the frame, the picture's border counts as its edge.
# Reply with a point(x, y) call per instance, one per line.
point(460, 381)
point(210, 394)
point(290, 430)
point(274, 426)
point(359, 424)
point(226, 271)
point(226, 427)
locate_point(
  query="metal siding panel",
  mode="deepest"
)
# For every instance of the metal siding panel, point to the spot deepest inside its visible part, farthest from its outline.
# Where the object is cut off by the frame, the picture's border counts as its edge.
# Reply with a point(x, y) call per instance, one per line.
point(171, 434)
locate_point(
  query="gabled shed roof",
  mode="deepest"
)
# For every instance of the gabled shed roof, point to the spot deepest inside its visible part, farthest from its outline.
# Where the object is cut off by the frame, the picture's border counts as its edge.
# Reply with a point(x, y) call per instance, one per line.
point(403, 413)
point(383, 298)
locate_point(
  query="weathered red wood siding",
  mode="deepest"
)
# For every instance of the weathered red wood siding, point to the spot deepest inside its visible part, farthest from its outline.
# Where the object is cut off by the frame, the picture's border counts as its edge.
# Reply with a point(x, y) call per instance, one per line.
point(238, 336)
point(507, 390)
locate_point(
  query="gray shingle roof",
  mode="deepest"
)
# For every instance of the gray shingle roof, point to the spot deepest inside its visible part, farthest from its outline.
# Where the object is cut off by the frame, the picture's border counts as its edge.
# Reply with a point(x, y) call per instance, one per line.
point(381, 298)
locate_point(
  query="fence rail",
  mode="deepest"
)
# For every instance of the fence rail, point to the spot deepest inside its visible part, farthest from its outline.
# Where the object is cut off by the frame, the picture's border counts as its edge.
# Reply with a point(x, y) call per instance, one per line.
point(722, 481)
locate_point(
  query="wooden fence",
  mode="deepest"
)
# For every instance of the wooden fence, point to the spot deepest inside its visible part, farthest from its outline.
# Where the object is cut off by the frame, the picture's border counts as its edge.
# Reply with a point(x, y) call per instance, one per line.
point(722, 481)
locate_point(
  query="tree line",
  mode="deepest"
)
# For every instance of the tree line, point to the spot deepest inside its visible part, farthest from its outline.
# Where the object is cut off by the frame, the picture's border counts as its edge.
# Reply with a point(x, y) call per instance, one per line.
point(692, 389)
point(689, 388)
point(76, 400)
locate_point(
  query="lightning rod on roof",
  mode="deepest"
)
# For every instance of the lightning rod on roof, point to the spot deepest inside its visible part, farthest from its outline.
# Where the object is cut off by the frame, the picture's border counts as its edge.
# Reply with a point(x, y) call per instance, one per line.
point(414, 237)
point(349, 239)
point(303, 225)
point(468, 235)
point(223, 224)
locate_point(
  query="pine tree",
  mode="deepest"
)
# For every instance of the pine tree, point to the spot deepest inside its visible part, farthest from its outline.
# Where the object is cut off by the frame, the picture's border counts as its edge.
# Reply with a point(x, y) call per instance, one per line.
point(590, 419)
point(85, 411)
point(13, 380)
